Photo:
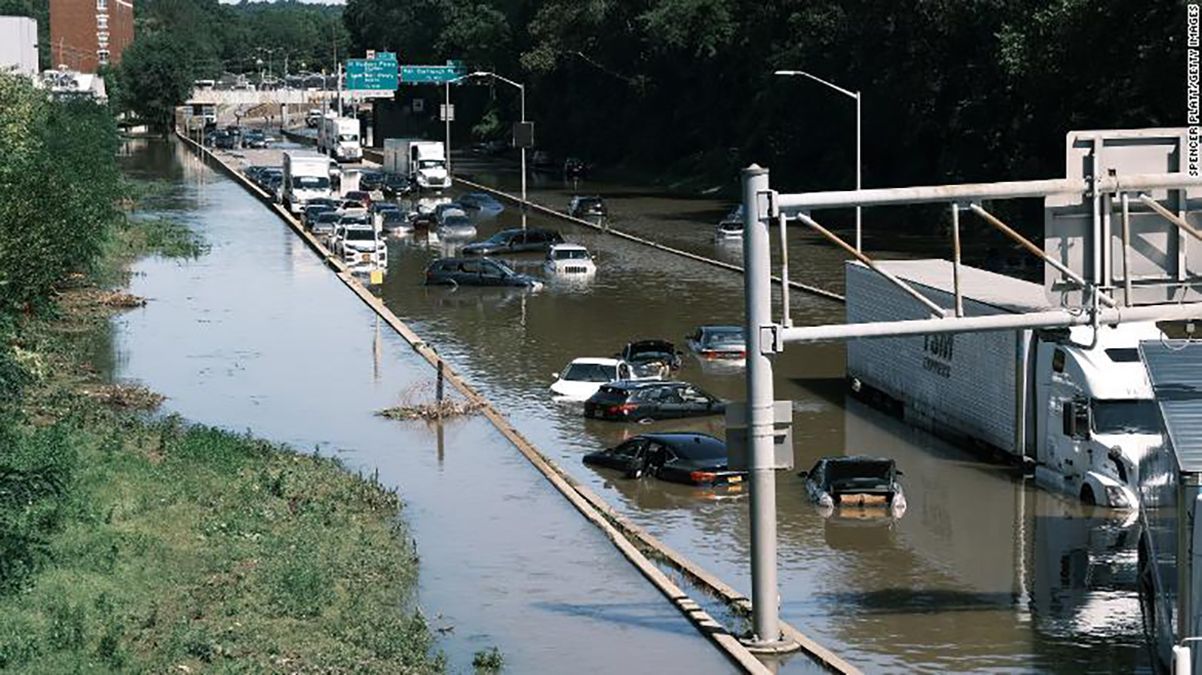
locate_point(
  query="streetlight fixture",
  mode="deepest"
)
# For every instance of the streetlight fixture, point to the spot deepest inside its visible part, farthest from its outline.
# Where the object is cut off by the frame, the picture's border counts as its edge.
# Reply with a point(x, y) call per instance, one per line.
point(522, 90)
point(851, 94)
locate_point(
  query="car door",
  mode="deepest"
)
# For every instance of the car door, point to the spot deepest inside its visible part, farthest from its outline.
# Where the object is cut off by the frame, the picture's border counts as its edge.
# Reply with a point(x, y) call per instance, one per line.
point(468, 273)
point(491, 274)
point(695, 401)
point(672, 403)
point(533, 241)
point(623, 455)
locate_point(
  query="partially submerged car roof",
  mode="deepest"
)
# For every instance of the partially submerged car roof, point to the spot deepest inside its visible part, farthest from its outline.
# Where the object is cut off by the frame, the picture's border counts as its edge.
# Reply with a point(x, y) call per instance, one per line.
point(691, 445)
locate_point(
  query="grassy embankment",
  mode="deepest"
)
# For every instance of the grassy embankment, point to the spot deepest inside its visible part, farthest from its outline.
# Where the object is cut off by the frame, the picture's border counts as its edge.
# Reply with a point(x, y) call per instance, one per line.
point(134, 543)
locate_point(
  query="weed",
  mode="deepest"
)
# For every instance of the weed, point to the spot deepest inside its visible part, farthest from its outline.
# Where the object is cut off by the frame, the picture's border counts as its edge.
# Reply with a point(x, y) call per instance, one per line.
point(488, 660)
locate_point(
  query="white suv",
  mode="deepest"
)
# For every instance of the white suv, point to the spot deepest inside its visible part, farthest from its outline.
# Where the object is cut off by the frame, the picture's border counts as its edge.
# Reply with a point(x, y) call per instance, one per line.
point(360, 245)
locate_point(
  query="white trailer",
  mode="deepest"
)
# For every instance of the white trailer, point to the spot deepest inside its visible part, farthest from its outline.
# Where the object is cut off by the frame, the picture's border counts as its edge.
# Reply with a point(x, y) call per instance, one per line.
point(306, 176)
point(1076, 404)
point(338, 137)
point(423, 162)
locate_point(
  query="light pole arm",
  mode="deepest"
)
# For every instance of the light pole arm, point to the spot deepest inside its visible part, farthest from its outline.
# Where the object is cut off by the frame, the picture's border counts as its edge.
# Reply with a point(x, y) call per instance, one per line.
point(819, 80)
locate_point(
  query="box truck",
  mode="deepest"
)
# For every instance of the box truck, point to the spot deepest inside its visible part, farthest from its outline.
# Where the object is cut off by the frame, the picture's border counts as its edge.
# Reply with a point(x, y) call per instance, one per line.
point(424, 163)
point(306, 176)
point(338, 137)
point(1074, 404)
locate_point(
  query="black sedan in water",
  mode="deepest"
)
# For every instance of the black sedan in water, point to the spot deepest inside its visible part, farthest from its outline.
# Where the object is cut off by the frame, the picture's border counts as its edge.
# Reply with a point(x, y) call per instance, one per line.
point(636, 400)
point(514, 241)
point(475, 272)
point(689, 458)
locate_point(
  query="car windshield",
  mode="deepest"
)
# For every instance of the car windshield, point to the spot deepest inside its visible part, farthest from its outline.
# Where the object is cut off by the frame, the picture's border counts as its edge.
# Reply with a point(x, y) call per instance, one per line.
point(353, 220)
point(500, 238)
point(311, 182)
point(393, 217)
point(456, 221)
point(731, 227)
point(327, 217)
point(360, 235)
point(724, 337)
point(430, 164)
point(571, 254)
point(1126, 416)
point(348, 138)
point(590, 372)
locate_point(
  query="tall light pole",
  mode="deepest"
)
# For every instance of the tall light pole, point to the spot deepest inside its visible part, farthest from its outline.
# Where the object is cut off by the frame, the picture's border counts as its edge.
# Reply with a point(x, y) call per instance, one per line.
point(522, 91)
point(856, 96)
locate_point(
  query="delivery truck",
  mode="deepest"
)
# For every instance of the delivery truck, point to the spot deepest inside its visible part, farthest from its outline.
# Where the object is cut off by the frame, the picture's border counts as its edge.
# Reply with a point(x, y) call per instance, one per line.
point(306, 176)
point(1074, 406)
point(338, 137)
point(423, 162)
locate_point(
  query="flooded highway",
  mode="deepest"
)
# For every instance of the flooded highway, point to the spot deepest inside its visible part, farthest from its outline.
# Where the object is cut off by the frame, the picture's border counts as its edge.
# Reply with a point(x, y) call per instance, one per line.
point(258, 335)
point(983, 572)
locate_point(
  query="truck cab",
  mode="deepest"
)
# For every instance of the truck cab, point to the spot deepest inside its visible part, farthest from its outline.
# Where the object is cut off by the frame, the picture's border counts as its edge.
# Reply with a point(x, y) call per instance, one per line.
point(428, 165)
point(1099, 417)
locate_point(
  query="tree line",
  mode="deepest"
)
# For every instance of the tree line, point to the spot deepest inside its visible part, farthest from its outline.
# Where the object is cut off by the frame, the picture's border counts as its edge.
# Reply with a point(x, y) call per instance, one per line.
point(953, 90)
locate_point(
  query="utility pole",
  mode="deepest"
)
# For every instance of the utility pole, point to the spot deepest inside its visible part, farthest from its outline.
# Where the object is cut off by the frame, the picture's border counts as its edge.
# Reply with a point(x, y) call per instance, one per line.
point(447, 117)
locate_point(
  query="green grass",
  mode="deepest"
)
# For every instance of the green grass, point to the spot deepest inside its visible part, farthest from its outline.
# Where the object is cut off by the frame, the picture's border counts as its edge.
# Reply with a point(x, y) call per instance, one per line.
point(158, 544)
point(131, 543)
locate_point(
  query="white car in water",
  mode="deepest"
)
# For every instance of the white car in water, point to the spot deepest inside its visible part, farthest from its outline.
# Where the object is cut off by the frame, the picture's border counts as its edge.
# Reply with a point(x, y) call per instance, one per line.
point(570, 260)
point(584, 376)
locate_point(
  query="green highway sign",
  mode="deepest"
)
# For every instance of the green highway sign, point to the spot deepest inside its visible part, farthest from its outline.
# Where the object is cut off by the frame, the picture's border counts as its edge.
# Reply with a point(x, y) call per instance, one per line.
point(432, 74)
point(374, 74)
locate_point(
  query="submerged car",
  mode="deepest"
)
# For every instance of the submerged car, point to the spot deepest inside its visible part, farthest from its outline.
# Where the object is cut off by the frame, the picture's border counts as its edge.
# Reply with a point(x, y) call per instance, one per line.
point(324, 222)
point(856, 482)
point(587, 206)
point(570, 259)
point(482, 203)
point(582, 377)
point(648, 355)
point(394, 185)
point(719, 342)
point(730, 228)
point(254, 138)
point(311, 211)
point(514, 241)
point(635, 401)
point(452, 226)
point(475, 272)
point(689, 458)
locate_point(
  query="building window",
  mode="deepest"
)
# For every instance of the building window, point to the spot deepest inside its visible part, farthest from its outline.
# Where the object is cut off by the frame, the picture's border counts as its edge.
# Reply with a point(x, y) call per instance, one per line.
point(102, 21)
point(102, 5)
point(102, 57)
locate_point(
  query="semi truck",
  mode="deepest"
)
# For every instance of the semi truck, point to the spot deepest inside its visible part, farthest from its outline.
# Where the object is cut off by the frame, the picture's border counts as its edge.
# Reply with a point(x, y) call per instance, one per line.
point(306, 176)
point(423, 162)
point(338, 137)
point(1073, 405)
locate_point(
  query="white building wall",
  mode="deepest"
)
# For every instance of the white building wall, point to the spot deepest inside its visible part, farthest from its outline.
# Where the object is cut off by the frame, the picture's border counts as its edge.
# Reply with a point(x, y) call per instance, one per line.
point(19, 45)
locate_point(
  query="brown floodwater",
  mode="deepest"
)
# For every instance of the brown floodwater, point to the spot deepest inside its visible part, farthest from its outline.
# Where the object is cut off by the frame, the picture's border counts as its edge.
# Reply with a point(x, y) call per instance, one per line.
point(258, 335)
point(983, 572)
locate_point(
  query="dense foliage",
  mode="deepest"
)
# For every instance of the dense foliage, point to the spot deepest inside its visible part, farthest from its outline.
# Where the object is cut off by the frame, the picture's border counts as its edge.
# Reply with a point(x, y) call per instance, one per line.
point(952, 89)
point(59, 188)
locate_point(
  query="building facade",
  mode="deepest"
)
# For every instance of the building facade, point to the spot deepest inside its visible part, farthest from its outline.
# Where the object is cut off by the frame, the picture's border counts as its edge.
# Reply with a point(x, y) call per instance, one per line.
point(87, 34)
point(19, 45)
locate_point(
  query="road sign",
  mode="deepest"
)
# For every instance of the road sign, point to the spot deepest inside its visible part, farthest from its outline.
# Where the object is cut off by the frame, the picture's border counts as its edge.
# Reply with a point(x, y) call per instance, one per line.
point(523, 134)
point(378, 74)
point(431, 74)
point(446, 112)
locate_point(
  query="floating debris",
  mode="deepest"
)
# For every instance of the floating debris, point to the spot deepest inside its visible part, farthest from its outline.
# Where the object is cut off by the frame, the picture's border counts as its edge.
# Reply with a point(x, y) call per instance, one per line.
point(121, 299)
point(434, 410)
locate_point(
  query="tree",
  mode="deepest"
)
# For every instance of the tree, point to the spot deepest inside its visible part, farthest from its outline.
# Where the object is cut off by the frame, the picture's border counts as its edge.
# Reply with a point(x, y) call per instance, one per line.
point(156, 75)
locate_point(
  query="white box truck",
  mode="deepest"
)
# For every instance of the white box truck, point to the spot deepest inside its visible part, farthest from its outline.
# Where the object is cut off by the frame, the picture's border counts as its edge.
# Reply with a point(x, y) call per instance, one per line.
point(1076, 404)
point(306, 176)
point(338, 137)
point(424, 163)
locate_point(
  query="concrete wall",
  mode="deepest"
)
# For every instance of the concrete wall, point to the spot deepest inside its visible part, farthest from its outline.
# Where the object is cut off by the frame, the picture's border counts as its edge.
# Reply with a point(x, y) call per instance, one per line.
point(19, 44)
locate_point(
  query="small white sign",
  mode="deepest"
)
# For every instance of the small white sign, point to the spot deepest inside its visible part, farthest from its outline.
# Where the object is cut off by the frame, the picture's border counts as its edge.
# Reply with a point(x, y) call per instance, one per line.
point(446, 112)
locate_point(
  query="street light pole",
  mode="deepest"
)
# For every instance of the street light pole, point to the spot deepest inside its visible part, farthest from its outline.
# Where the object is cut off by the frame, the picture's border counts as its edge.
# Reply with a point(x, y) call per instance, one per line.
point(522, 91)
point(851, 94)
point(446, 100)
